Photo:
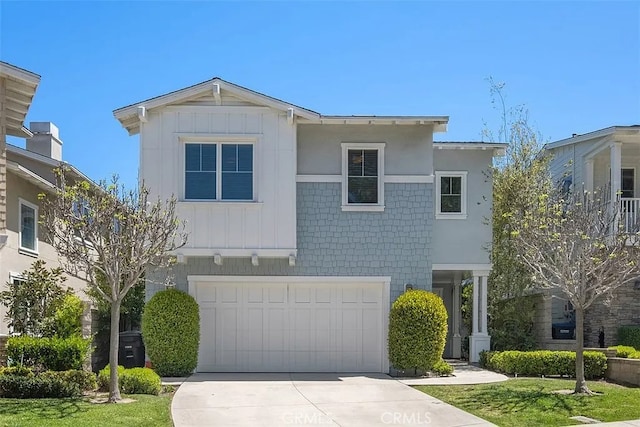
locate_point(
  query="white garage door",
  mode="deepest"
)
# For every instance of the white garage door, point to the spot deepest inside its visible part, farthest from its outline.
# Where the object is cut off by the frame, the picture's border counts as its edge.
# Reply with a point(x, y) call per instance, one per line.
point(266, 325)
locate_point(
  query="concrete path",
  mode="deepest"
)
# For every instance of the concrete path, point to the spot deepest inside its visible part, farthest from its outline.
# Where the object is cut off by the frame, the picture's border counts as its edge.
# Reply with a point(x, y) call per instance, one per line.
point(632, 423)
point(463, 374)
point(345, 400)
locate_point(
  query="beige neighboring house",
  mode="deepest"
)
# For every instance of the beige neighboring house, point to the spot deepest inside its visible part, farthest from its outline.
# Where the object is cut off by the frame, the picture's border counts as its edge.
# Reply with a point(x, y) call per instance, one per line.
point(25, 173)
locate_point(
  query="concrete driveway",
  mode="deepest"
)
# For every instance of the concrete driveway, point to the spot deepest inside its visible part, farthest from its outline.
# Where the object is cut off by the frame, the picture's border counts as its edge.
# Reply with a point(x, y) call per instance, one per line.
point(309, 399)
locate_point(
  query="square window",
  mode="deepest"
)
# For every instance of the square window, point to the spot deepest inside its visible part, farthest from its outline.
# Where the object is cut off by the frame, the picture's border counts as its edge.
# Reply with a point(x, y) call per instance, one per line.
point(363, 177)
point(451, 195)
point(218, 171)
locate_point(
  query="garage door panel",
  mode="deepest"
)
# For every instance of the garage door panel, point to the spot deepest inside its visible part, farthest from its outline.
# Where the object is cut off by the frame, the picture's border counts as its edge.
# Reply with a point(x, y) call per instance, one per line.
point(299, 327)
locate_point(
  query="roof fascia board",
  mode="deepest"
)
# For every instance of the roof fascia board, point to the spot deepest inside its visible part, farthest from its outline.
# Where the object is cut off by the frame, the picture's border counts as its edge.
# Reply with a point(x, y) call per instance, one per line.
point(30, 176)
point(581, 138)
point(48, 161)
point(17, 73)
point(467, 145)
point(203, 87)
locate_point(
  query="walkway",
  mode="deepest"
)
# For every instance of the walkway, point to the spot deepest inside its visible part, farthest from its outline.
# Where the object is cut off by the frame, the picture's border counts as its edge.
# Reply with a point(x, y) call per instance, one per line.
point(463, 374)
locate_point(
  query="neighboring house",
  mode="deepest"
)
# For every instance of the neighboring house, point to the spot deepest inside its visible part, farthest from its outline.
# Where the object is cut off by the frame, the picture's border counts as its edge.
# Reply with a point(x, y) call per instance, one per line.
point(25, 173)
point(304, 228)
point(607, 161)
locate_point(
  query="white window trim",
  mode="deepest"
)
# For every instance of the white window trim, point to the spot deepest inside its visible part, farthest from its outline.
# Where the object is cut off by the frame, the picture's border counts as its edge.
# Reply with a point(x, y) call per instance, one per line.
point(22, 249)
point(219, 141)
point(463, 202)
point(362, 207)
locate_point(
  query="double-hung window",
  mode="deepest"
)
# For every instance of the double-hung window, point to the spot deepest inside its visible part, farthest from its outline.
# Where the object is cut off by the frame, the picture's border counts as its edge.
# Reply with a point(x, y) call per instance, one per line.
point(218, 171)
point(363, 176)
point(28, 226)
point(451, 195)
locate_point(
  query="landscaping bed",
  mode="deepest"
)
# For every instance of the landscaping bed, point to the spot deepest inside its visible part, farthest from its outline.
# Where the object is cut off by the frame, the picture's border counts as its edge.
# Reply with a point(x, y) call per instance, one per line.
point(540, 402)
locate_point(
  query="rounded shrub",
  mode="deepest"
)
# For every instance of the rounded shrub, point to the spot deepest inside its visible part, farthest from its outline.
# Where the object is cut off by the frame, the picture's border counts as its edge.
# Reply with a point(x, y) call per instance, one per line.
point(132, 381)
point(171, 332)
point(417, 330)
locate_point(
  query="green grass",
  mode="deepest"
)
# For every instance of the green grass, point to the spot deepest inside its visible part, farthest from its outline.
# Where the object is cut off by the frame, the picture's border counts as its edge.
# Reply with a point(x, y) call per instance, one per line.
point(531, 402)
point(149, 411)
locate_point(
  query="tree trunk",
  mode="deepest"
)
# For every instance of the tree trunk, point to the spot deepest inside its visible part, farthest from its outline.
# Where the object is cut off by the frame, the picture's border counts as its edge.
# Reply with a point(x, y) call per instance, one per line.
point(114, 391)
point(581, 383)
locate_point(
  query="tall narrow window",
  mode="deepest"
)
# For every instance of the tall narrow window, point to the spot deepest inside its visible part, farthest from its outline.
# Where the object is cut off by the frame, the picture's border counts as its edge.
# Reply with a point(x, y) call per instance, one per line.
point(28, 226)
point(237, 172)
point(363, 176)
point(451, 195)
point(200, 171)
point(628, 183)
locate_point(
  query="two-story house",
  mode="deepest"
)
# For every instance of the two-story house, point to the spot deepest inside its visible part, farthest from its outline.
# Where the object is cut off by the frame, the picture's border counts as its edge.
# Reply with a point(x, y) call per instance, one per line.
point(606, 161)
point(304, 228)
point(24, 174)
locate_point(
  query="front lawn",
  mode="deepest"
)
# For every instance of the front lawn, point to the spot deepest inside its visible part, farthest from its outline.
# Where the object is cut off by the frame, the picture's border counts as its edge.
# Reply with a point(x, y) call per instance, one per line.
point(532, 402)
point(145, 411)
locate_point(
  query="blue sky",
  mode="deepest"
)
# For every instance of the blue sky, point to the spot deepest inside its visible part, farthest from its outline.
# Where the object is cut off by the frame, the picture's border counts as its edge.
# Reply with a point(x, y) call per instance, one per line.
point(575, 65)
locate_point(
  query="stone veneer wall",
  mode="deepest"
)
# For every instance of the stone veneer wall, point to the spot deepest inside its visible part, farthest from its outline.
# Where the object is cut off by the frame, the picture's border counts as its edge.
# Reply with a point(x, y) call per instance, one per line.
point(3, 350)
point(623, 310)
point(396, 242)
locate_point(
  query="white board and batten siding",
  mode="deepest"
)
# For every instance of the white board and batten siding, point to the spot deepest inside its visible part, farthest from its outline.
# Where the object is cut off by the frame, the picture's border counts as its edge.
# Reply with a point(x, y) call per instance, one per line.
point(292, 324)
point(266, 223)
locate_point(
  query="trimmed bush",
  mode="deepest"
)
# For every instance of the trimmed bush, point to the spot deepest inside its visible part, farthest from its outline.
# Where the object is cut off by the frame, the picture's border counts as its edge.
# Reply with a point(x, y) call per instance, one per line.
point(442, 368)
point(18, 370)
point(55, 354)
point(132, 381)
point(171, 332)
point(86, 380)
point(623, 350)
point(544, 362)
point(634, 355)
point(39, 386)
point(417, 330)
point(629, 335)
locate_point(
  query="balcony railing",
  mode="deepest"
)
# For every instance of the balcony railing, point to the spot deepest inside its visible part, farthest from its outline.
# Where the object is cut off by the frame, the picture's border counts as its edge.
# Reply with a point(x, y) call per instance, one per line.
point(630, 211)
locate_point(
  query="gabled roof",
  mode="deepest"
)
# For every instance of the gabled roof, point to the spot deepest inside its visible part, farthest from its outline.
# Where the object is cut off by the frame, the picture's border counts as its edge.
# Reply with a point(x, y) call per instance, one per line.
point(130, 120)
point(47, 161)
point(20, 87)
point(593, 135)
point(208, 86)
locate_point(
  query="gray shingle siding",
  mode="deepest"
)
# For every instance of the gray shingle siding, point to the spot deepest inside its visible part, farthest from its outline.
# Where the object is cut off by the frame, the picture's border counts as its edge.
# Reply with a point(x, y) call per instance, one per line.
point(396, 242)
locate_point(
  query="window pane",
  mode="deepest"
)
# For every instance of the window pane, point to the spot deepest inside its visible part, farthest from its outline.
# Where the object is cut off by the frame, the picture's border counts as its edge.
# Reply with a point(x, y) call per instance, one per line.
point(363, 190)
point(192, 157)
point(229, 158)
point(445, 185)
point(208, 157)
point(354, 161)
point(456, 185)
point(370, 162)
point(627, 183)
point(200, 185)
point(237, 186)
point(28, 227)
point(245, 157)
point(450, 204)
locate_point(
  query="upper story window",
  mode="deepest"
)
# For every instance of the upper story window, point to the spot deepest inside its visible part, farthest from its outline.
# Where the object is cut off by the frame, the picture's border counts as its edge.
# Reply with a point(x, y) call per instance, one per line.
point(363, 177)
point(451, 195)
point(218, 172)
point(28, 226)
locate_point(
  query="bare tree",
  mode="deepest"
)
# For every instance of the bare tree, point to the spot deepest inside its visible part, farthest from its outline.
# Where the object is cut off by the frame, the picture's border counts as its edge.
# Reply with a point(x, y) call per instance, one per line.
point(577, 243)
point(106, 231)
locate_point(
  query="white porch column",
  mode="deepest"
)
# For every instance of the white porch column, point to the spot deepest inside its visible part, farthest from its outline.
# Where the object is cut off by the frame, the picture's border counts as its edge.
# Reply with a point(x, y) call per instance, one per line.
point(479, 340)
point(588, 176)
point(456, 341)
point(616, 171)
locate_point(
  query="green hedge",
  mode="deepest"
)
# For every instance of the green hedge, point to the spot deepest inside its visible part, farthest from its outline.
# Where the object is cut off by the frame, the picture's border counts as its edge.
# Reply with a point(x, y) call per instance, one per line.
point(623, 350)
point(630, 336)
point(132, 381)
point(171, 332)
point(55, 354)
point(39, 386)
point(544, 362)
point(417, 330)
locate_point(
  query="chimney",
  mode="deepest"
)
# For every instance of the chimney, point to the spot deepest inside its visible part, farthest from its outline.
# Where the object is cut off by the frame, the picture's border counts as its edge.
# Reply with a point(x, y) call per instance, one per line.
point(45, 140)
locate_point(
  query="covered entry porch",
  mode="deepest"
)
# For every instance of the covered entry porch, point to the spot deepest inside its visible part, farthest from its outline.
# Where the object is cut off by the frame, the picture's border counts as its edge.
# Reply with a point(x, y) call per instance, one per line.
point(447, 282)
